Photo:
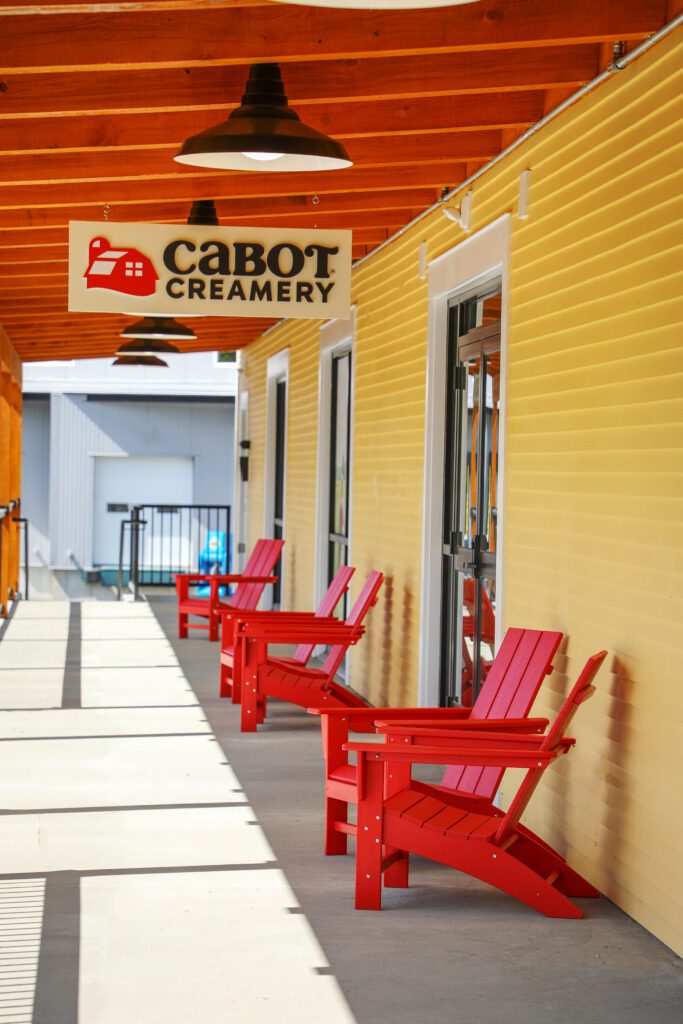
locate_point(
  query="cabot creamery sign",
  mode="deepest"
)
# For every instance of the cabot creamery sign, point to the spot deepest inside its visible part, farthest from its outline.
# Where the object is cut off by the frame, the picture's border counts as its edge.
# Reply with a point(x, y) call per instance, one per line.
point(208, 271)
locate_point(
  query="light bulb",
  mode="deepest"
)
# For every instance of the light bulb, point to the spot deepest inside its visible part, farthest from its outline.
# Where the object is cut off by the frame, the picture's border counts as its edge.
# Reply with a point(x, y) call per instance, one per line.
point(264, 156)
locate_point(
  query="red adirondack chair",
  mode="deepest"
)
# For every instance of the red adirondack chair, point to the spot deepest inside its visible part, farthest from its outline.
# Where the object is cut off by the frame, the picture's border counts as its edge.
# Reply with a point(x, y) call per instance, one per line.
point(250, 585)
point(231, 646)
point(398, 816)
point(264, 677)
point(520, 666)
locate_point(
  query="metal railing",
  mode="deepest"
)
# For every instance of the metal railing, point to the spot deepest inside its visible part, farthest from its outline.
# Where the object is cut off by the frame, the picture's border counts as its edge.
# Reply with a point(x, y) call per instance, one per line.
point(5, 512)
point(159, 541)
point(23, 525)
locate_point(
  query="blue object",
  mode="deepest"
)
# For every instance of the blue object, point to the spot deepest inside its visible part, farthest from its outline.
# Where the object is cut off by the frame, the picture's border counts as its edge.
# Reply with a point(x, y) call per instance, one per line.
point(213, 560)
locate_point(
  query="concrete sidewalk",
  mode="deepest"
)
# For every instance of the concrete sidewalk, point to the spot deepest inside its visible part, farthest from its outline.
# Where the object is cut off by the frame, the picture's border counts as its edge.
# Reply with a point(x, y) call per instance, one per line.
point(449, 949)
point(158, 866)
point(136, 883)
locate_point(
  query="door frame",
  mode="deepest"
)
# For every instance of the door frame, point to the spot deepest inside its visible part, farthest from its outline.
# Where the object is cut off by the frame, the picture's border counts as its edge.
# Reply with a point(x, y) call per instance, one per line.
point(336, 336)
point(277, 370)
point(475, 261)
point(241, 525)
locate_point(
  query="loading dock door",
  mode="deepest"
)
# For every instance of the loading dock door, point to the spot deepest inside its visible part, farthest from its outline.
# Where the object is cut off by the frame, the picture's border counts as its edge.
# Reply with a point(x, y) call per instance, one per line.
point(127, 480)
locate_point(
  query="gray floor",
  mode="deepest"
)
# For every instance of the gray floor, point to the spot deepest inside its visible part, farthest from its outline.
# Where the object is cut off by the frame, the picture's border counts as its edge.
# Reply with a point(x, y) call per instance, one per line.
point(449, 949)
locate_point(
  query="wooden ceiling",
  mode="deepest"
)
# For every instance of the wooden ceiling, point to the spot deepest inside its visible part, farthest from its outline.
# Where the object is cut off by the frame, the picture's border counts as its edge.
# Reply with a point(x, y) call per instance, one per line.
point(95, 98)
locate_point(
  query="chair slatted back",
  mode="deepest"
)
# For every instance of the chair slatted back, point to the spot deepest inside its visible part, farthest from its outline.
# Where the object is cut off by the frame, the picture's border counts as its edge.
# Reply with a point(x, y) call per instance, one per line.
point(337, 587)
point(364, 602)
point(523, 661)
point(261, 563)
point(580, 692)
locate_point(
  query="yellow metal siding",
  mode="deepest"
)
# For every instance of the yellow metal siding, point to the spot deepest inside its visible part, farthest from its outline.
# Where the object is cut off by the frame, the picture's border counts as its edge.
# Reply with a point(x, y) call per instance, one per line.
point(594, 462)
point(595, 489)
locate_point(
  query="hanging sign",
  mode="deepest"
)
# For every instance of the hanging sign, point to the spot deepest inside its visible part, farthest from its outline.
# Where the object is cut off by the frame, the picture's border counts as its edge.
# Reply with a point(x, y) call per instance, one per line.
point(188, 269)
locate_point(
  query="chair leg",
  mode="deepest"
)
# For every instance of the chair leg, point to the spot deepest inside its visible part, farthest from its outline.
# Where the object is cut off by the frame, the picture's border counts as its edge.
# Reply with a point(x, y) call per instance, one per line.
point(336, 843)
point(182, 626)
point(504, 870)
point(397, 778)
point(213, 626)
point(261, 710)
point(225, 684)
point(249, 717)
point(236, 691)
point(369, 840)
point(396, 876)
point(541, 858)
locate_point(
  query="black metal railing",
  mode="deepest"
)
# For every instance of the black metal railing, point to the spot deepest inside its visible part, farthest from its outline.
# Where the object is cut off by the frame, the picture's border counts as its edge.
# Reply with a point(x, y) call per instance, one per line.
point(23, 525)
point(159, 541)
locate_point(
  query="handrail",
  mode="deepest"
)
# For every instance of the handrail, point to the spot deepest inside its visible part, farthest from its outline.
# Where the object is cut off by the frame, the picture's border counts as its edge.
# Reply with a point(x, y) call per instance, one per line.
point(169, 540)
point(23, 522)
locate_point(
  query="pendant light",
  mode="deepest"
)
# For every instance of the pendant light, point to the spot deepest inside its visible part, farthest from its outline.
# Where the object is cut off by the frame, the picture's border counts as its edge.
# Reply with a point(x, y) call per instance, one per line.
point(138, 347)
point(203, 211)
point(139, 361)
point(158, 328)
point(263, 134)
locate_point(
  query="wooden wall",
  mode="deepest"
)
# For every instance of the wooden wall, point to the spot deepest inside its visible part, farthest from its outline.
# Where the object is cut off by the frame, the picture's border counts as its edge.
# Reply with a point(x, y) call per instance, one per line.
point(10, 467)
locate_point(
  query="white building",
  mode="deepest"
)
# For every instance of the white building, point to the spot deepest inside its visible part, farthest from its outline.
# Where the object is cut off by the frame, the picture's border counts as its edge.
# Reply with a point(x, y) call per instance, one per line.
point(99, 439)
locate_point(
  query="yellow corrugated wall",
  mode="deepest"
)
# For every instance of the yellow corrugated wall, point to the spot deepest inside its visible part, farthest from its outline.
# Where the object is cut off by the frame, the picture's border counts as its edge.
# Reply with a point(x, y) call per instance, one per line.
point(593, 538)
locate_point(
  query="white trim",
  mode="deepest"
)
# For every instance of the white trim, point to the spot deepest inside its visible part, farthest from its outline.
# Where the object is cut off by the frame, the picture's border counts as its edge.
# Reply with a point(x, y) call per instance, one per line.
point(336, 336)
point(476, 260)
point(277, 370)
point(241, 525)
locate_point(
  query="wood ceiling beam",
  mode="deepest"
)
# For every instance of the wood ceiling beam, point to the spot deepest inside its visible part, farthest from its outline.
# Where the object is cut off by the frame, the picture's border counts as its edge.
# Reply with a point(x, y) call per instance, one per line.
point(17, 238)
point(62, 347)
point(51, 7)
point(155, 164)
point(310, 83)
point(345, 121)
point(12, 259)
point(112, 334)
point(104, 322)
point(239, 194)
point(281, 33)
point(280, 210)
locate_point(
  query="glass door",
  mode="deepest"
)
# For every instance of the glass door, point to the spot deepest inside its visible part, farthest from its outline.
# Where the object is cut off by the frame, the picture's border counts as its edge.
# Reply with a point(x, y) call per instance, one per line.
point(470, 496)
point(278, 524)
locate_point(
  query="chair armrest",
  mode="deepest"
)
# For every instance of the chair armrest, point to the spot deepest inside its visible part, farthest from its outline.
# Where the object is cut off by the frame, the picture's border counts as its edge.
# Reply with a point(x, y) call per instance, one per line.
point(241, 578)
point(359, 717)
point(222, 578)
point(438, 728)
point(283, 618)
point(321, 632)
point(495, 754)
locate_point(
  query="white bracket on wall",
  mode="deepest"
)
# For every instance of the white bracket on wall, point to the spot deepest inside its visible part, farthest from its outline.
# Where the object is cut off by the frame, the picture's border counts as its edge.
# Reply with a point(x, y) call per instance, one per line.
point(524, 195)
point(422, 262)
point(463, 214)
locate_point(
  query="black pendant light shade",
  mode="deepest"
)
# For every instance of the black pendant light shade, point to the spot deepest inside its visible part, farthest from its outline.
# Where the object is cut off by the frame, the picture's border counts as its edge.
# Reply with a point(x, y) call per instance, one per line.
point(264, 134)
point(139, 361)
point(139, 347)
point(158, 328)
point(203, 211)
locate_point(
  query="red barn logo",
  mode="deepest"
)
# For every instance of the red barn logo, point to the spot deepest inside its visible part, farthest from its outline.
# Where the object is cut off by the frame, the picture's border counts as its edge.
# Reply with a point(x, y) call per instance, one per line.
point(120, 270)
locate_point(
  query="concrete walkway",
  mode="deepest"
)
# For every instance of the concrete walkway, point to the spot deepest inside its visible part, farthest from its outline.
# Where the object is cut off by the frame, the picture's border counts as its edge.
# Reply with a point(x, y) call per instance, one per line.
point(137, 886)
point(156, 865)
